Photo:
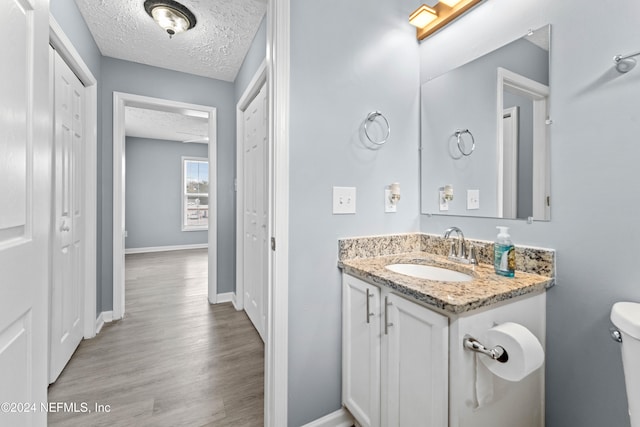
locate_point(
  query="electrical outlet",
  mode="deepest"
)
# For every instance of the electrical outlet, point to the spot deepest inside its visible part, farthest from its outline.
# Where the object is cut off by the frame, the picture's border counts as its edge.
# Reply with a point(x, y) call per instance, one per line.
point(444, 203)
point(473, 199)
point(344, 200)
point(388, 206)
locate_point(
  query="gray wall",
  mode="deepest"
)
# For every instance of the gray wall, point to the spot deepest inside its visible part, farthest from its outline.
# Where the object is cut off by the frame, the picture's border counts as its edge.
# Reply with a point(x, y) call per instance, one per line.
point(256, 54)
point(153, 211)
point(68, 16)
point(348, 58)
point(465, 98)
point(594, 188)
point(129, 77)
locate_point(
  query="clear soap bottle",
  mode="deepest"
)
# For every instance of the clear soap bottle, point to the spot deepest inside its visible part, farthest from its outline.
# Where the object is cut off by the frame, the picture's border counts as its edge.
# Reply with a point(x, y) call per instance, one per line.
point(504, 254)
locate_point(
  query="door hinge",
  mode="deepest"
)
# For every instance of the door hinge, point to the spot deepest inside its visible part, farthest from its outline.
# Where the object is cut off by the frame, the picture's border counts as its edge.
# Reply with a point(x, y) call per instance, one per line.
point(548, 200)
point(235, 184)
point(273, 243)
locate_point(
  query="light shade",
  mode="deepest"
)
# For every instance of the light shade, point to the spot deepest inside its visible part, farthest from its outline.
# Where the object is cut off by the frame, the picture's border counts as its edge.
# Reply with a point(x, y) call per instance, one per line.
point(422, 16)
point(450, 3)
point(170, 15)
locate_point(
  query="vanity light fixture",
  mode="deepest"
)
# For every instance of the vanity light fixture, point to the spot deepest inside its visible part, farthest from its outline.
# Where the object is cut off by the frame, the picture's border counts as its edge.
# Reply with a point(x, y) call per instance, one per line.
point(447, 192)
point(450, 3)
point(394, 193)
point(170, 15)
point(422, 16)
point(441, 14)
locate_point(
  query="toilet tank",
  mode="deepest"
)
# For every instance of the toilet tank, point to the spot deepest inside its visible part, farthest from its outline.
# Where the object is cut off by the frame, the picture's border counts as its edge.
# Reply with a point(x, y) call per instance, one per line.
point(626, 317)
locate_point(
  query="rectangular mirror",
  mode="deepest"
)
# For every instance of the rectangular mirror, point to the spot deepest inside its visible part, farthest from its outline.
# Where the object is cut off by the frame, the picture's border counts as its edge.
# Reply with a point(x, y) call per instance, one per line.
point(485, 135)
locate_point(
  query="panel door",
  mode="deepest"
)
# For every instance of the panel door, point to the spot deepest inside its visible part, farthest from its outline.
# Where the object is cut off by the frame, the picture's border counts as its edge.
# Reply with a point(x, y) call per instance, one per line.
point(25, 194)
point(415, 371)
point(67, 291)
point(361, 350)
point(256, 212)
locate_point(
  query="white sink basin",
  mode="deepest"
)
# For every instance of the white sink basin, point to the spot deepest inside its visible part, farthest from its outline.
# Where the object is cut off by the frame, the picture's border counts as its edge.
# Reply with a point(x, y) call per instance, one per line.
point(429, 272)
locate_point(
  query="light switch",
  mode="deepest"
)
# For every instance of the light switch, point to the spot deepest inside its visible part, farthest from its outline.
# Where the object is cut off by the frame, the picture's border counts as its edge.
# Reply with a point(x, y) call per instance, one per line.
point(473, 199)
point(344, 200)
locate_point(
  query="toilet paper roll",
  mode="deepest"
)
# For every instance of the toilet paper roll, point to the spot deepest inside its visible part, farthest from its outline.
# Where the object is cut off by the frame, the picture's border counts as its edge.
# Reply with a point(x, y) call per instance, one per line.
point(524, 350)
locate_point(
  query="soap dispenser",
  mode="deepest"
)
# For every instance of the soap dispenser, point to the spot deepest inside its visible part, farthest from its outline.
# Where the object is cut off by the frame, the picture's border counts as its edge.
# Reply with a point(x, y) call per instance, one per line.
point(504, 254)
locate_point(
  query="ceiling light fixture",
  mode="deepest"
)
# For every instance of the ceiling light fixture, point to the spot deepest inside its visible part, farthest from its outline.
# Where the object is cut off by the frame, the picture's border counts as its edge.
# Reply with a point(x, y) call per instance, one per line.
point(172, 16)
point(440, 15)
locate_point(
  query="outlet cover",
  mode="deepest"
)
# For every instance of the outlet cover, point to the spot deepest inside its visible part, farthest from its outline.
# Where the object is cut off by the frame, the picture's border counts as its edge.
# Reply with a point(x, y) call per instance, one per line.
point(473, 199)
point(344, 200)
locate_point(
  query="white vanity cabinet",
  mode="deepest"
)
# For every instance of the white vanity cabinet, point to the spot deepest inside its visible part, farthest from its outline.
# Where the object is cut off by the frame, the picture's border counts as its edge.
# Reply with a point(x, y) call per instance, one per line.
point(395, 359)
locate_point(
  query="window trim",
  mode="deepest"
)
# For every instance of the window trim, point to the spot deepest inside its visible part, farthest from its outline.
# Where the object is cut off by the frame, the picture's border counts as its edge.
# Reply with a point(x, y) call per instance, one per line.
point(183, 195)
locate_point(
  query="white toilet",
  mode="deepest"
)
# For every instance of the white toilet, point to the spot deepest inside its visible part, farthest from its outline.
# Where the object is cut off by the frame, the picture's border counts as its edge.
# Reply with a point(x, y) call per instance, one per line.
point(626, 317)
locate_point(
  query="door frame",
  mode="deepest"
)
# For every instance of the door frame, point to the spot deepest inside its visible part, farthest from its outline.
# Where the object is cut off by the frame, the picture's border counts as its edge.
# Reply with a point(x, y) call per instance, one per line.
point(120, 101)
point(277, 346)
point(257, 81)
point(62, 44)
point(539, 95)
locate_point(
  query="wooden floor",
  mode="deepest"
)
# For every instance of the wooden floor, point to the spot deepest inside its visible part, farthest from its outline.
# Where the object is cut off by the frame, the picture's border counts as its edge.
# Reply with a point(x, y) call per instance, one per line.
point(175, 360)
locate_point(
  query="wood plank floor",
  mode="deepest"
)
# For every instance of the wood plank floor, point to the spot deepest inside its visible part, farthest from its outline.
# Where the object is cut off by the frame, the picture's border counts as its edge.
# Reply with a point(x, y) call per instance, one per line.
point(175, 360)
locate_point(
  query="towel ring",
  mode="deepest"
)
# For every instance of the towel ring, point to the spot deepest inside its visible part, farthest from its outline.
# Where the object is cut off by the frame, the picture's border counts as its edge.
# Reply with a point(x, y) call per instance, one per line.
point(370, 118)
point(458, 135)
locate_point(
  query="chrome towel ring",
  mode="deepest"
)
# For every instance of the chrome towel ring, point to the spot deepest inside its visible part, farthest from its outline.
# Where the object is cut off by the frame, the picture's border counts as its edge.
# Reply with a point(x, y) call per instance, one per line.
point(371, 117)
point(458, 134)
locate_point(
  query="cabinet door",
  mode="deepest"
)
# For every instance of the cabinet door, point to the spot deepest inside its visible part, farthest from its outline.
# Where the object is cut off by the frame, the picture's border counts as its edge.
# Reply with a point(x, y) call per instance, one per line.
point(361, 350)
point(415, 371)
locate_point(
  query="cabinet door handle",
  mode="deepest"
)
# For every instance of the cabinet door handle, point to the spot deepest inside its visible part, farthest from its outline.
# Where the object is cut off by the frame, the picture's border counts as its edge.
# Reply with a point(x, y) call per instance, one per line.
point(386, 315)
point(369, 313)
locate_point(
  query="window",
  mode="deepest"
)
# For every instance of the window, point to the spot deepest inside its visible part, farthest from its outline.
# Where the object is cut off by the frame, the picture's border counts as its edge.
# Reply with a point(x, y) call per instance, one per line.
point(195, 193)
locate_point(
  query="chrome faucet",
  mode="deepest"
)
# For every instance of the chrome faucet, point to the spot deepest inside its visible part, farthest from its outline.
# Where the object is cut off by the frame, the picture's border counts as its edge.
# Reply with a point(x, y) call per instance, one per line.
point(458, 252)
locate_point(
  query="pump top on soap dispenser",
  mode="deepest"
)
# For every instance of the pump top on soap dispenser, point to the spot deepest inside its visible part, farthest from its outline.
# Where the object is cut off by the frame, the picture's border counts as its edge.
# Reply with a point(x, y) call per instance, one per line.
point(504, 254)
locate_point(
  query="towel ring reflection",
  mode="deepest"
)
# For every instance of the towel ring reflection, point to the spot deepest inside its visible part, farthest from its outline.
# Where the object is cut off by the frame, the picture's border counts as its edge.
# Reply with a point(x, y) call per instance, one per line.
point(458, 134)
point(372, 117)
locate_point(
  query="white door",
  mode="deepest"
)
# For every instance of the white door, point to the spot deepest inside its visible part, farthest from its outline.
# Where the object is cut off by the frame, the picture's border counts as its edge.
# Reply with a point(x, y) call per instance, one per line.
point(256, 211)
point(510, 122)
point(25, 193)
point(67, 290)
point(415, 372)
point(361, 350)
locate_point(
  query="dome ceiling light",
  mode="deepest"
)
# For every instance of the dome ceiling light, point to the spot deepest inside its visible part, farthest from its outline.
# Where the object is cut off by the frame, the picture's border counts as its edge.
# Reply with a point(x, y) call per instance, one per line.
point(172, 16)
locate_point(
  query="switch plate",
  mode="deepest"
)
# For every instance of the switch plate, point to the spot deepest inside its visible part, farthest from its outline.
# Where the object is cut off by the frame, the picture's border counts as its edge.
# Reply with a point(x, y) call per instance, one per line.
point(388, 206)
point(344, 200)
point(473, 199)
point(444, 203)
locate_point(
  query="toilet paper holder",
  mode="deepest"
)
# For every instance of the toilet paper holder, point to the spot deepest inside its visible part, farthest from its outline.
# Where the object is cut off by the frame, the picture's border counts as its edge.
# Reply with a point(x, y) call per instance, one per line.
point(497, 353)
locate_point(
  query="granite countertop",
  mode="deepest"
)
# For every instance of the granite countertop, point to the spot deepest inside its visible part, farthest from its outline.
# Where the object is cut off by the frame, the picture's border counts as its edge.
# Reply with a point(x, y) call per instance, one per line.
point(485, 289)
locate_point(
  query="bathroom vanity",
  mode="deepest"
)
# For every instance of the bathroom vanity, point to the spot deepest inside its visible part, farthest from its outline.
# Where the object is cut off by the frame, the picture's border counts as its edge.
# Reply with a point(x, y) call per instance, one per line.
point(404, 363)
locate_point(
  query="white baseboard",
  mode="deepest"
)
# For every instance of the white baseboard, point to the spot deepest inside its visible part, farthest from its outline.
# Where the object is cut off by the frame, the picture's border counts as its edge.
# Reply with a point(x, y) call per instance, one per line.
point(225, 297)
point(104, 317)
point(339, 418)
point(165, 248)
point(235, 302)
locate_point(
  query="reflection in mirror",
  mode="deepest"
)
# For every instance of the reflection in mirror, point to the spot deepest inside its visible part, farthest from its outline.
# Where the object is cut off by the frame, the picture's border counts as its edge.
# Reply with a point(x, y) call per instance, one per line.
point(500, 102)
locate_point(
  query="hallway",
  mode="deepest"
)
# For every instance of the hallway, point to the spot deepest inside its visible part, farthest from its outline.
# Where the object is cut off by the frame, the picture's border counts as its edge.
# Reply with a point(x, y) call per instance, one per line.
point(175, 360)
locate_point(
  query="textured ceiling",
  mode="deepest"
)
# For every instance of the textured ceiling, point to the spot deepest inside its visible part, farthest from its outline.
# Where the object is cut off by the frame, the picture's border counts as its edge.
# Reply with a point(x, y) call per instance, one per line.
point(153, 124)
point(214, 48)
